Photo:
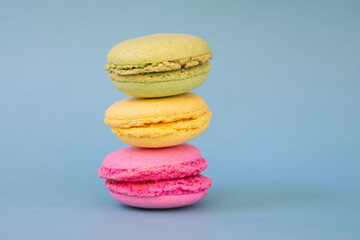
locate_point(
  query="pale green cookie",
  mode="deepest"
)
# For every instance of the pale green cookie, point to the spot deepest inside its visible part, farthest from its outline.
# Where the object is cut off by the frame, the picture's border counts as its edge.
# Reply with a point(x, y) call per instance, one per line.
point(159, 65)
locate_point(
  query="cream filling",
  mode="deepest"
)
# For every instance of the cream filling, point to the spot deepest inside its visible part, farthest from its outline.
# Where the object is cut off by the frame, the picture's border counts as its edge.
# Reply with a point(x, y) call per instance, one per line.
point(165, 66)
point(128, 123)
point(176, 75)
point(162, 129)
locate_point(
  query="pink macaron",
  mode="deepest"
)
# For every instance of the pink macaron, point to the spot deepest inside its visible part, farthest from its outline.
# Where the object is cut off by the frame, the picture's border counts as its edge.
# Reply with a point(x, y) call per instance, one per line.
point(156, 177)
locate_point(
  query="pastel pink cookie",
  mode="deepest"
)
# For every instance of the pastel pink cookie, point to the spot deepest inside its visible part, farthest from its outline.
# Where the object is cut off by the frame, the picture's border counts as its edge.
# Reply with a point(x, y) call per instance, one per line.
point(143, 164)
point(160, 194)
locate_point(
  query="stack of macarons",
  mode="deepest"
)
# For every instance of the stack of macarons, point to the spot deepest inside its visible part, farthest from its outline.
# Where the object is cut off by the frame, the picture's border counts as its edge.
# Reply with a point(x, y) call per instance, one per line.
point(159, 170)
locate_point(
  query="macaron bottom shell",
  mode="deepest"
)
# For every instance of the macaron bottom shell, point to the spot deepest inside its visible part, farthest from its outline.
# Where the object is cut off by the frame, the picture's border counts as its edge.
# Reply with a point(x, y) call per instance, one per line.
point(160, 194)
point(160, 88)
point(160, 202)
point(163, 141)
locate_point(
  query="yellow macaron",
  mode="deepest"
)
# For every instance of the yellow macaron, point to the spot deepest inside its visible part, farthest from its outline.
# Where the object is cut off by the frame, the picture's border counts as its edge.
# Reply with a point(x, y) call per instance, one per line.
point(158, 122)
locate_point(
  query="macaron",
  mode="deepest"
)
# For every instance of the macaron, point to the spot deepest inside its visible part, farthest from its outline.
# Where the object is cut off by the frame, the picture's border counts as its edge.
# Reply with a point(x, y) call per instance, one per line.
point(159, 65)
point(156, 178)
point(158, 122)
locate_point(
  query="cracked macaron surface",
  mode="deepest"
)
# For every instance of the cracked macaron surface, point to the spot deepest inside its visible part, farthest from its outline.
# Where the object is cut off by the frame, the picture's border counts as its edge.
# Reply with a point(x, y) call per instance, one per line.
point(140, 67)
point(158, 122)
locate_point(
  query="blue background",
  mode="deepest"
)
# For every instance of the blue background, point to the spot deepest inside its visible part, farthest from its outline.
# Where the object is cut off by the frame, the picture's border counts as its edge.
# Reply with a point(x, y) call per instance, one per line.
point(282, 146)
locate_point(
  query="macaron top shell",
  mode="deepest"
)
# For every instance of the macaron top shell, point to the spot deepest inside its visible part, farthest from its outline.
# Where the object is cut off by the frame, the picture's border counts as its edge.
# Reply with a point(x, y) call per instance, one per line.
point(157, 48)
point(158, 109)
point(133, 157)
point(144, 164)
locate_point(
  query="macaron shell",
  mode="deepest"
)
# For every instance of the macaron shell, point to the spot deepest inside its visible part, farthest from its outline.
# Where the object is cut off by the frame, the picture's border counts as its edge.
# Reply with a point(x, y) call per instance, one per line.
point(138, 108)
point(161, 88)
point(160, 194)
point(133, 157)
point(144, 164)
point(163, 141)
point(168, 201)
point(157, 48)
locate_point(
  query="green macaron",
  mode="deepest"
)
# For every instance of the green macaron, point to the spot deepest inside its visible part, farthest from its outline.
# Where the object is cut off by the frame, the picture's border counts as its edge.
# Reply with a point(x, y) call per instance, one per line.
point(159, 65)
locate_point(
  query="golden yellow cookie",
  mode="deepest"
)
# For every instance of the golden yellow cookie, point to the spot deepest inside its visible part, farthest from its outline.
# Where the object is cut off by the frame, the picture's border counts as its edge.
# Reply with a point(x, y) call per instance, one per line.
point(158, 122)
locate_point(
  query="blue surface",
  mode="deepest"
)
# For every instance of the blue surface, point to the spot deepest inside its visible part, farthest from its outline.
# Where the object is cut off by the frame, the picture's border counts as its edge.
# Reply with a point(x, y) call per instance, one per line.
point(282, 146)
